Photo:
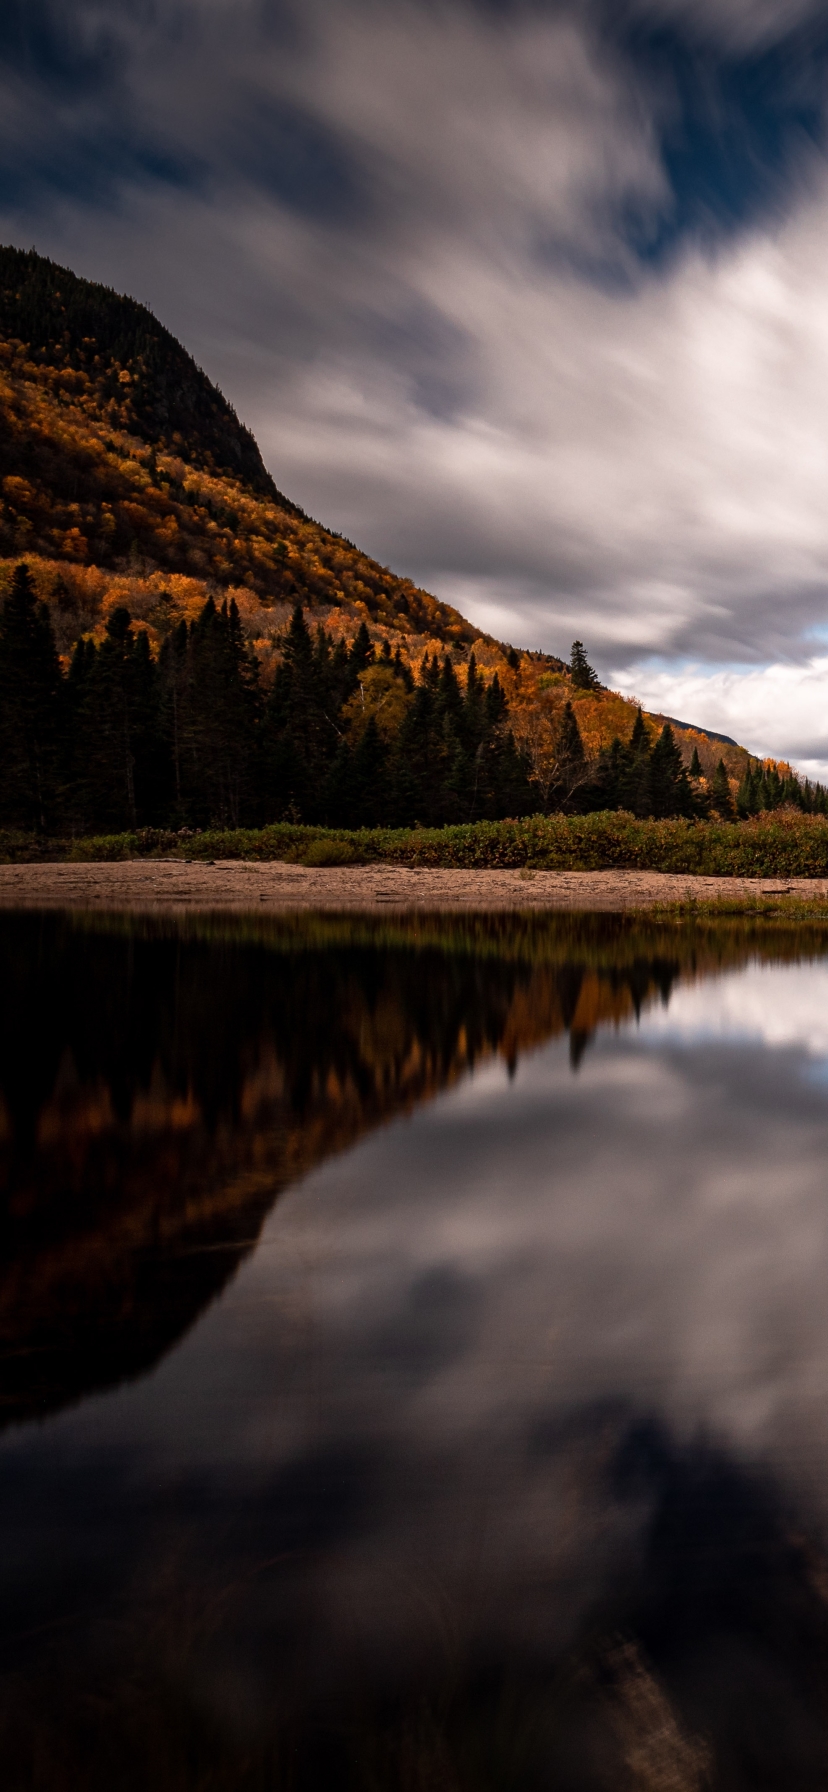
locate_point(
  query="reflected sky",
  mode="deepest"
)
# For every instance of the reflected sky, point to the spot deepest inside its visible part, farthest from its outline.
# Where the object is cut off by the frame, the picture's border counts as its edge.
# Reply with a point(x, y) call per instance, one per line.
point(530, 1375)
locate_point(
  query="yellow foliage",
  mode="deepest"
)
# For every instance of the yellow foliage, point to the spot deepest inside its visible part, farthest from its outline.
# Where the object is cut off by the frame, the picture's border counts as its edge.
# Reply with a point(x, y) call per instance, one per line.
point(381, 694)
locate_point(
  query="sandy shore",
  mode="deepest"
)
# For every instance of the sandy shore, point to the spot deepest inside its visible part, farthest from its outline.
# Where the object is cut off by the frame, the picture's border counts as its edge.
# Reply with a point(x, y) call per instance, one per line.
point(173, 886)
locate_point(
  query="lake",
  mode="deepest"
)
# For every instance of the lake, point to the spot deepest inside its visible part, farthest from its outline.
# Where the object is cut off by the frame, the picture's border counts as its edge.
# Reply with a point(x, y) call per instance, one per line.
point(413, 1354)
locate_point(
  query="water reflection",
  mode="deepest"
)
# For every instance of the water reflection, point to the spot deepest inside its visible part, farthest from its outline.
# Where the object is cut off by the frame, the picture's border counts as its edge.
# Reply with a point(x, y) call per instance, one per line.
point(500, 1461)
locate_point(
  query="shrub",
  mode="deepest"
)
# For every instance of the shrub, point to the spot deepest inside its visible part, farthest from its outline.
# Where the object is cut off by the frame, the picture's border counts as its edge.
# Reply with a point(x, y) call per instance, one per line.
point(330, 852)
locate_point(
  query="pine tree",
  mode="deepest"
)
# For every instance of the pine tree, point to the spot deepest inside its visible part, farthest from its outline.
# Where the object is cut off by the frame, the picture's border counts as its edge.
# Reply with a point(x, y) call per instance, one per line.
point(220, 721)
point(670, 792)
point(120, 776)
point(695, 764)
point(580, 670)
point(31, 709)
point(748, 793)
point(301, 730)
point(607, 780)
point(720, 796)
point(173, 676)
point(634, 771)
point(571, 766)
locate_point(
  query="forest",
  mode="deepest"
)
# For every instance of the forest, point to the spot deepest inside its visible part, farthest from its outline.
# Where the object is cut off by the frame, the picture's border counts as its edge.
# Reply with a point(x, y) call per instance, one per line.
point(345, 736)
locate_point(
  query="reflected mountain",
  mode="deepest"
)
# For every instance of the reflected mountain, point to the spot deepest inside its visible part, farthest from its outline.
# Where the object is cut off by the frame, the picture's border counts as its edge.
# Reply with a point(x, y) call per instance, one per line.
point(160, 1084)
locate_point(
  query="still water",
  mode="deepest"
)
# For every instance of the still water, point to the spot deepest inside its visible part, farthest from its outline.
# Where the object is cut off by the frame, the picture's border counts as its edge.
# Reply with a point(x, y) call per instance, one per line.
point(413, 1356)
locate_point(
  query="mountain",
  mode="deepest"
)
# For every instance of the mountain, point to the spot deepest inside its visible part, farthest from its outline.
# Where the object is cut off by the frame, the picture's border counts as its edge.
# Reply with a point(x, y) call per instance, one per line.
point(130, 488)
point(119, 460)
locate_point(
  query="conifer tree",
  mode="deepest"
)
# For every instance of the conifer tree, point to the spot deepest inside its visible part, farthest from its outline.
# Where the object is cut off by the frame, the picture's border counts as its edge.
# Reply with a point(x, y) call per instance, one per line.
point(571, 758)
point(747, 795)
point(31, 709)
point(670, 792)
point(580, 671)
point(634, 771)
point(117, 763)
point(695, 764)
point(720, 796)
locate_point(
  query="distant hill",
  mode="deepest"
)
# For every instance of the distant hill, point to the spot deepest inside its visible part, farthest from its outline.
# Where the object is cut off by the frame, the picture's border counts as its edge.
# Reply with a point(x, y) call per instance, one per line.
point(692, 728)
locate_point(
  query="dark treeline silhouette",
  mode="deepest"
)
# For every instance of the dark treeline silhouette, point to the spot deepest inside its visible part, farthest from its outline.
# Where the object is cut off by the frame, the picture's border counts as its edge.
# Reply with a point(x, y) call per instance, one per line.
point(191, 739)
point(346, 737)
point(649, 779)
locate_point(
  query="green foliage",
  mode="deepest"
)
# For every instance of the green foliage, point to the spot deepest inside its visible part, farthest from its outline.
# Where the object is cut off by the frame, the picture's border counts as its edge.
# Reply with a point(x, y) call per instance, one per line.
point(773, 845)
point(646, 780)
point(330, 852)
point(720, 796)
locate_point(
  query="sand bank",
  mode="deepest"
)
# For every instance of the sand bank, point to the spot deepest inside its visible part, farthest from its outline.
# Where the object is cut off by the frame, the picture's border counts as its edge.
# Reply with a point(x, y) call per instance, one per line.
point(173, 886)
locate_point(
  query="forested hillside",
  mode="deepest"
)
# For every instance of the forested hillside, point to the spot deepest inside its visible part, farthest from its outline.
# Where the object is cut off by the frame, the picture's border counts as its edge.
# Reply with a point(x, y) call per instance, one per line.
point(181, 645)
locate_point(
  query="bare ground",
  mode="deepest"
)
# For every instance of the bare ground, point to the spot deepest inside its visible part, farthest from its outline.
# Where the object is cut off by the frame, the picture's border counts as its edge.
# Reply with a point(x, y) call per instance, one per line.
point(175, 885)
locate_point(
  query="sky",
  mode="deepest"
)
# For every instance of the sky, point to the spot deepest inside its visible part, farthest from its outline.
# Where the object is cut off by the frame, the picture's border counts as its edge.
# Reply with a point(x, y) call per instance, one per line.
point(529, 298)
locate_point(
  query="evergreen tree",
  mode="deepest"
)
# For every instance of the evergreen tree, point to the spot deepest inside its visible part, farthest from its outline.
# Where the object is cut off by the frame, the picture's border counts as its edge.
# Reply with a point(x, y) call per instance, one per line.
point(670, 792)
point(31, 709)
point(720, 796)
point(173, 678)
point(748, 793)
point(634, 771)
point(580, 670)
point(695, 764)
point(605, 792)
point(571, 766)
point(369, 786)
point(117, 761)
point(219, 725)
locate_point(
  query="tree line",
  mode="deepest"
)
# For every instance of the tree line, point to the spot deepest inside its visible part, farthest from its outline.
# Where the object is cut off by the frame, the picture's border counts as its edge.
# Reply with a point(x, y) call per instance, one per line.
point(192, 740)
point(345, 737)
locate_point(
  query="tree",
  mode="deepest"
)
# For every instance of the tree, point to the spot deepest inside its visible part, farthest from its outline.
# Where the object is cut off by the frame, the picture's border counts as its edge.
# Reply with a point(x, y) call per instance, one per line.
point(118, 762)
point(670, 792)
point(695, 764)
point(748, 794)
point(580, 670)
point(720, 797)
point(634, 772)
point(31, 709)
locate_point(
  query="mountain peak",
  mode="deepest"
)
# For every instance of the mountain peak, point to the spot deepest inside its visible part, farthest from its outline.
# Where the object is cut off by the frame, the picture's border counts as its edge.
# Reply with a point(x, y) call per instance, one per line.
point(147, 382)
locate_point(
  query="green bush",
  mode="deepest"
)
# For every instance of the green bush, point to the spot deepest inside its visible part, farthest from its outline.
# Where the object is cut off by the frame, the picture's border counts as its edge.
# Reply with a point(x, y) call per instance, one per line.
point(330, 852)
point(781, 843)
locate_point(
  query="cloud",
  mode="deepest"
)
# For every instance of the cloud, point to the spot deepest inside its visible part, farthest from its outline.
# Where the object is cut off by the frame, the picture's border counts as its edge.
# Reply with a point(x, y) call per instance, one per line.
point(776, 710)
point(527, 300)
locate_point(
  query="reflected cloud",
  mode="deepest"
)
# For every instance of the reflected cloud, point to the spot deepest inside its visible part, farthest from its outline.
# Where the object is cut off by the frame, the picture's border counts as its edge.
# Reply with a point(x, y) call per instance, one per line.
point(507, 1442)
point(764, 1005)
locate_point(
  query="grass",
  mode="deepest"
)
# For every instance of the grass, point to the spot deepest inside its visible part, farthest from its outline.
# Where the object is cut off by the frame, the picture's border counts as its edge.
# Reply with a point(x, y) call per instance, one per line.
point(779, 844)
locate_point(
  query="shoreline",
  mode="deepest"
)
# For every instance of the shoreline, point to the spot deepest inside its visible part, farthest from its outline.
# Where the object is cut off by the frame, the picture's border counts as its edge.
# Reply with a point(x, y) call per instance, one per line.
point(176, 886)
